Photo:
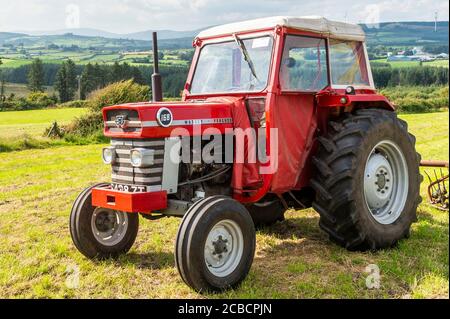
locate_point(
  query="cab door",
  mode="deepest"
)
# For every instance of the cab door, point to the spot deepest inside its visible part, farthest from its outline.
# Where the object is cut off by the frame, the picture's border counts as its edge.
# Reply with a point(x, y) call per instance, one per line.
point(303, 72)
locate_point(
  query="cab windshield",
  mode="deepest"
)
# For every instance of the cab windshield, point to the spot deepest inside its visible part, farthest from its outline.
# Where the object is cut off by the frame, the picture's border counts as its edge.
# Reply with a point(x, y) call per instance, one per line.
point(239, 65)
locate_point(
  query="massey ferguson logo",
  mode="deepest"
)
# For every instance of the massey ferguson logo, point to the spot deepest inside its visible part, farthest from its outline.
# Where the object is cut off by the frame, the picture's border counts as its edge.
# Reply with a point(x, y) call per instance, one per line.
point(121, 121)
point(164, 117)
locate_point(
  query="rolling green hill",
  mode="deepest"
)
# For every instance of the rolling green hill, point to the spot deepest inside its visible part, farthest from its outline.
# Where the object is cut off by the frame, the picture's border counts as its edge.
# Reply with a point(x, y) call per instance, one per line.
point(407, 34)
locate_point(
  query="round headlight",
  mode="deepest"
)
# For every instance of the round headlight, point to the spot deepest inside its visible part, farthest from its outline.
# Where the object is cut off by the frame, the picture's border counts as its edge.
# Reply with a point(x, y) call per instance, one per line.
point(108, 155)
point(136, 158)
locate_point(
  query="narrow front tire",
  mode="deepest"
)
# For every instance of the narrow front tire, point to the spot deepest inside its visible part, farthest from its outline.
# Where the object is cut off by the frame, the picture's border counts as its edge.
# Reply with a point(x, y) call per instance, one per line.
point(215, 244)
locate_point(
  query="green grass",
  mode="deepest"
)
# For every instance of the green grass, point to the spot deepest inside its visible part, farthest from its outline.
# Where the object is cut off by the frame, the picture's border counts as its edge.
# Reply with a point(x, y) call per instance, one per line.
point(294, 259)
point(406, 64)
point(24, 129)
point(34, 122)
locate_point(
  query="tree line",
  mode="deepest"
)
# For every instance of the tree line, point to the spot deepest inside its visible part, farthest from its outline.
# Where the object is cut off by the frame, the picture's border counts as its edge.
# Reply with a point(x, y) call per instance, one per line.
point(73, 81)
point(64, 77)
point(385, 76)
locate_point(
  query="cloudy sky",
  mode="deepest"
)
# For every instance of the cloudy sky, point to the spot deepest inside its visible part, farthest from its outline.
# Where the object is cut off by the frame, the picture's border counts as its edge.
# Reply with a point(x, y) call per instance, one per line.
point(124, 16)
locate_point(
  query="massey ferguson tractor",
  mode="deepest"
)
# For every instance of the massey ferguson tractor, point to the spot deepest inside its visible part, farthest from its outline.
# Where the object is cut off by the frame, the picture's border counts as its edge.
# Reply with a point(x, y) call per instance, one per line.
point(276, 113)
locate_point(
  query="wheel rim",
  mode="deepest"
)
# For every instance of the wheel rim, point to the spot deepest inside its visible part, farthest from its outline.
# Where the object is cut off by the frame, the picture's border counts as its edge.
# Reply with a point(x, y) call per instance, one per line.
point(224, 247)
point(109, 226)
point(386, 182)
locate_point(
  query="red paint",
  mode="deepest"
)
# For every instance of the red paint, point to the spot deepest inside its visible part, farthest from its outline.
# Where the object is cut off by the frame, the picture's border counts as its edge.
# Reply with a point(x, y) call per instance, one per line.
point(129, 202)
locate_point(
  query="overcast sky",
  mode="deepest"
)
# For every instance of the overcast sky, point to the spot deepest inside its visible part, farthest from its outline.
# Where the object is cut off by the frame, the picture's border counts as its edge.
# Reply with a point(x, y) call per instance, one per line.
point(125, 16)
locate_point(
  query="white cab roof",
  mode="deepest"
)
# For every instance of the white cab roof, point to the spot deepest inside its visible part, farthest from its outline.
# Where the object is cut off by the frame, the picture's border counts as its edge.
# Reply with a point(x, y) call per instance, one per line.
point(332, 29)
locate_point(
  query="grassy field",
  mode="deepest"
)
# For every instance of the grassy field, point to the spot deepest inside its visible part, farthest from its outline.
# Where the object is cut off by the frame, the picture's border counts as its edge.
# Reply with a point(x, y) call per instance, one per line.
point(21, 90)
point(25, 129)
point(294, 259)
point(16, 123)
point(88, 56)
point(406, 64)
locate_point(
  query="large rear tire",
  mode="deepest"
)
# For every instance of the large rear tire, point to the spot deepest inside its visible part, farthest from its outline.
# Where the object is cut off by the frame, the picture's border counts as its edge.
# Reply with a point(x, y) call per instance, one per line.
point(367, 182)
point(99, 232)
point(215, 244)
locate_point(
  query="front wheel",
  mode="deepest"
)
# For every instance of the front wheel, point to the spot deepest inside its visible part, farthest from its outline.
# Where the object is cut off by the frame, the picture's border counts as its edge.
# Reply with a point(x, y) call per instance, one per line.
point(367, 182)
point(215, 244)
point(100, 232)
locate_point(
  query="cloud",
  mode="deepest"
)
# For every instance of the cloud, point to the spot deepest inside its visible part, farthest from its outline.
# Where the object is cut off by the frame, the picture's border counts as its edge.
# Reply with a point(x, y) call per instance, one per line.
point(123, 16)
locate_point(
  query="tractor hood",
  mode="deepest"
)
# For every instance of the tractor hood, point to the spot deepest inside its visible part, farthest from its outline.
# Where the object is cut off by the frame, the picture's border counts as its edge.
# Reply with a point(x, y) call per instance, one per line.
point(159, 119)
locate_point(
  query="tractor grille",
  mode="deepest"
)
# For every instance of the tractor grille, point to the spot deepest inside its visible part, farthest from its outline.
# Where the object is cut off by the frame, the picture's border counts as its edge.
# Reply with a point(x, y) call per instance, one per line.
point(131, 118)
point(124, 173)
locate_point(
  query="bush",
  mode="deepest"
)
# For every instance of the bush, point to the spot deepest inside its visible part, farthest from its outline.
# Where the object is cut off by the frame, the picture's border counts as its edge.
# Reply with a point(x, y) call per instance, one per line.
point(417, 99)
point(116, 93)
point(40, 100)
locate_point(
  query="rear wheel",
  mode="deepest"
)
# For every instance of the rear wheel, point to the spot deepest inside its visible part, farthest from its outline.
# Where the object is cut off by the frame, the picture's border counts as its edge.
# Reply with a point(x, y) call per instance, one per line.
point(215, 244)
point(367, 181)
point(100, 232)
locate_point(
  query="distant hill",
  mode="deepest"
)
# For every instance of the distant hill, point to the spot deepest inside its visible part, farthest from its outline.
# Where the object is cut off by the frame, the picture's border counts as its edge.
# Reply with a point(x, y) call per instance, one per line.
point(142, 35)
point(96, 42)
point(389, 34)
point(407, 33)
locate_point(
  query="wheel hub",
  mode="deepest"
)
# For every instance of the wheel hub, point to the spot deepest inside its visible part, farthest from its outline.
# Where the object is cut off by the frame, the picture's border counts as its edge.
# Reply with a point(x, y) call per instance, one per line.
point(109, 226)
point(386, 182)
point(223, 248)
point(219, 247)
point(378, 181)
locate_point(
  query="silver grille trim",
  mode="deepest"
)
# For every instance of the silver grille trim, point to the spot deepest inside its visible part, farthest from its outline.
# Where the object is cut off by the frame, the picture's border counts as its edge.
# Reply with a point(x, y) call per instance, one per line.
point(128, 124)
point(128, 161)
point(138, 143)
point(137, 179)
point(138, 170)
point(127, 151)
point(223, 120)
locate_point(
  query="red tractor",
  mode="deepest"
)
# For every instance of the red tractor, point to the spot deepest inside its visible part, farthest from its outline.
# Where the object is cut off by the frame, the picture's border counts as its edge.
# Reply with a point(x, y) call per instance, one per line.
point(276, 113)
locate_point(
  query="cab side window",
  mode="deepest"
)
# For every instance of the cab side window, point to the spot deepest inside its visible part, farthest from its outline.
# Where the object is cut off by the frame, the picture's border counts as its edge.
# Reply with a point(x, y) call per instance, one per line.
point(348, 63)
point(304, 64)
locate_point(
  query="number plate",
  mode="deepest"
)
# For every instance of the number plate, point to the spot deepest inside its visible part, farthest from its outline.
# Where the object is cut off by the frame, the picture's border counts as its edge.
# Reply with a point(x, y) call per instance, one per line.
point(129, 188)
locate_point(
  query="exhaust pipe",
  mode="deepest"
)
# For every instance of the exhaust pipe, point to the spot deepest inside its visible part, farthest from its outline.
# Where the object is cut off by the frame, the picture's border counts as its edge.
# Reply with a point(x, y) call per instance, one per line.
point(157, 95)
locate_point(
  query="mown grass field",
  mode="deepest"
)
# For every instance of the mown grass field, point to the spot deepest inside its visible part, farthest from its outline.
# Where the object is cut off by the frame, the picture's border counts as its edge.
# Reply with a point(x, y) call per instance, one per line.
point(25, 129)
point(406, 64)
point(34, 122)
point(294, 259)
point(21, 90)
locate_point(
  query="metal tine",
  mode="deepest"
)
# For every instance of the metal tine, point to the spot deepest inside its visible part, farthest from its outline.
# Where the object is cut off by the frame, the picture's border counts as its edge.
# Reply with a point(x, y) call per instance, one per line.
point(443, 182)
point(438, 184)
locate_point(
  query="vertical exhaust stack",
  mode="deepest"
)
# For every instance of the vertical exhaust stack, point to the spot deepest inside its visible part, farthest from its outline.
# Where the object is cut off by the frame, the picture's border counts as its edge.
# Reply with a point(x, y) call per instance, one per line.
point(157, 95)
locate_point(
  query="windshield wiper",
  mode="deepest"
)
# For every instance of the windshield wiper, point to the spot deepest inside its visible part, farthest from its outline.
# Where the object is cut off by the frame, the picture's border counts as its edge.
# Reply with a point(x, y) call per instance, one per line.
point(244, 52)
